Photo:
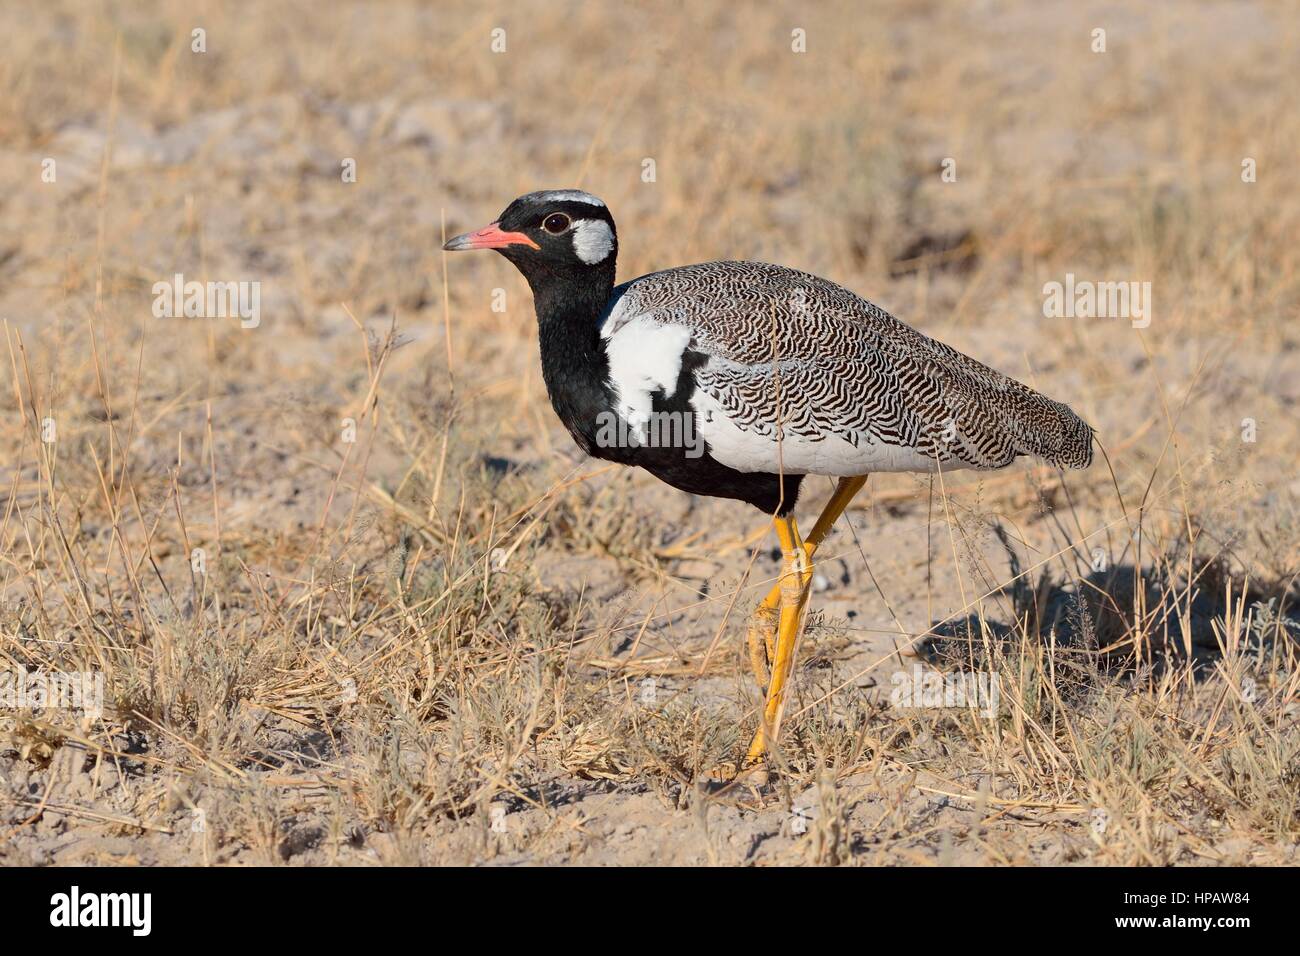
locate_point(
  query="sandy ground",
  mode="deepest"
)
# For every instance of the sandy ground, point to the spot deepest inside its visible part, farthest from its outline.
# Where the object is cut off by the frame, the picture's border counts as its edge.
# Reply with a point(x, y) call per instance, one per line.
point(455, 640)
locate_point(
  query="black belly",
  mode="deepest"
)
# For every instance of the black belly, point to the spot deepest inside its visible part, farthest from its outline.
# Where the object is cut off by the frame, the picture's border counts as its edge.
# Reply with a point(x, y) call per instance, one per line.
point(707, 476)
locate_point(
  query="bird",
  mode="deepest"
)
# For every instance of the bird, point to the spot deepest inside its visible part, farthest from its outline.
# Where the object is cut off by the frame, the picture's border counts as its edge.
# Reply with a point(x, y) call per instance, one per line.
point(737, 379)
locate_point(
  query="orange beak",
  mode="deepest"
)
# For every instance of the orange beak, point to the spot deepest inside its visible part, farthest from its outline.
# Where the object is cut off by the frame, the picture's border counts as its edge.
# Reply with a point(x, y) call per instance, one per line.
point(489, 237)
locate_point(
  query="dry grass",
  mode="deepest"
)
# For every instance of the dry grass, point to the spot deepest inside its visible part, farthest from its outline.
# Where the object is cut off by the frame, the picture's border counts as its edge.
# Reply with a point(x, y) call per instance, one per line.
point(391, 637)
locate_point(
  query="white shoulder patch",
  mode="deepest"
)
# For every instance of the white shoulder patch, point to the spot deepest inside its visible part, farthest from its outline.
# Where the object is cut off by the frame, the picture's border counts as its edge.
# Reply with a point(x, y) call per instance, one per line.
point(570, 195)
point(644, 357)
point(592, 240)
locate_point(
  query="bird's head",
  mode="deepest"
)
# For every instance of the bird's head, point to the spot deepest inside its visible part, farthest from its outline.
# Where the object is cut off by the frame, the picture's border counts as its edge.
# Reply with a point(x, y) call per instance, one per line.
point(561, 233)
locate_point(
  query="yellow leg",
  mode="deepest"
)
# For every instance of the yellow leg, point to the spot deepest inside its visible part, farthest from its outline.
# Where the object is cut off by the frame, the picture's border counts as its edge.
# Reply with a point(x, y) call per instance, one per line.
point(796, 576)
point(764, 623)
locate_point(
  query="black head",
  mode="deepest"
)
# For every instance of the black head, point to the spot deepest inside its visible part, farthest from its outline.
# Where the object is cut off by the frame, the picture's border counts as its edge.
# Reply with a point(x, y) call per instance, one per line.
point(562, 234)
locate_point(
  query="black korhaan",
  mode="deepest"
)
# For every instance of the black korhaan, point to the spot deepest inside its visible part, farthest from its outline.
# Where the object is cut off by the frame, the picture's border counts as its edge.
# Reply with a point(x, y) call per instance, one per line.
point(757, 375)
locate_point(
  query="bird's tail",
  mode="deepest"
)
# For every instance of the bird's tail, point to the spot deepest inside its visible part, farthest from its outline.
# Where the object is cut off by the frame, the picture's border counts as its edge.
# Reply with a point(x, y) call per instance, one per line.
point(1057, 435)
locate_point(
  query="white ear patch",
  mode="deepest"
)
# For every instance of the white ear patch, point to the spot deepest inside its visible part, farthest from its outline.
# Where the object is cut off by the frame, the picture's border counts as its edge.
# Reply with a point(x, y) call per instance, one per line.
point(592, 240)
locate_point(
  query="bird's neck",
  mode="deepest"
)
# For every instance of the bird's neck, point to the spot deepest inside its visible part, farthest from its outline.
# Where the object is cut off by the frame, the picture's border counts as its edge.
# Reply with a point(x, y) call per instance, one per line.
point(574, 365)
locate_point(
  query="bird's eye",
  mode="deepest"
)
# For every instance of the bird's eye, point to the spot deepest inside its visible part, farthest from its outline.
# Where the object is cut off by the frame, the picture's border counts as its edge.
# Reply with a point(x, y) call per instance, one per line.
point(556, 223)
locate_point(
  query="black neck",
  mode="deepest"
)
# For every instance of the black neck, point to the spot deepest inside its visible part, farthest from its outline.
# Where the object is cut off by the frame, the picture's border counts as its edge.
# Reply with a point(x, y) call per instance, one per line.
point(574, 364)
